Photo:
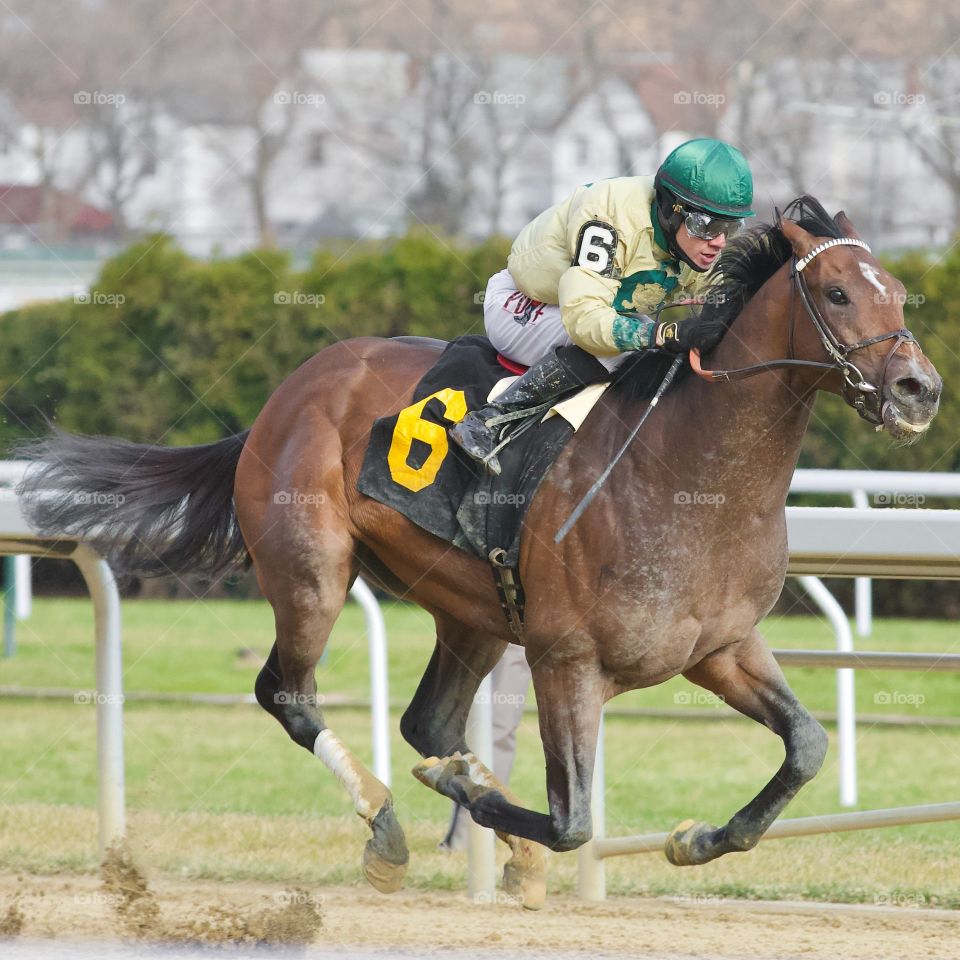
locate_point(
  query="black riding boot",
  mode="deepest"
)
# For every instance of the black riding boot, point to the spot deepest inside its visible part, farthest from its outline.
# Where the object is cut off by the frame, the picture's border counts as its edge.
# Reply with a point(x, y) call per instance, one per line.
point(567, 369)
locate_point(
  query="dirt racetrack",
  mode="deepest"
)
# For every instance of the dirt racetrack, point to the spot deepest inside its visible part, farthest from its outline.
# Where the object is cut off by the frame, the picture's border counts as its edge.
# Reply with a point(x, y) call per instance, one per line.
point(356, 922)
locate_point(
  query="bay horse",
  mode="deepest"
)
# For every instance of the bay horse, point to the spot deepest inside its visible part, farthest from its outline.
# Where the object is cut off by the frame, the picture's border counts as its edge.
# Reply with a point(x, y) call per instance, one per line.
point(668, 572)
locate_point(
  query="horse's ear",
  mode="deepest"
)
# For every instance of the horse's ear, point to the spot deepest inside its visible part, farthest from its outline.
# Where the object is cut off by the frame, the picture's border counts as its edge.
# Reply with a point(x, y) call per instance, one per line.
point(801, 241)
point(846, 226)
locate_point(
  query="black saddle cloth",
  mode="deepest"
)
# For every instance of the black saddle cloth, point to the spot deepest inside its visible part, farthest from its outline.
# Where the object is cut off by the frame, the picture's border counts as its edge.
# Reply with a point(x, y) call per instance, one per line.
point(411, 467)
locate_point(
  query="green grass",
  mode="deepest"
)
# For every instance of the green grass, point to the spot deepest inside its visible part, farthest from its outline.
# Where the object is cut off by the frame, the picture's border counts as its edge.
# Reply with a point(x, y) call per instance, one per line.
point(189, 766)
point(179, 646)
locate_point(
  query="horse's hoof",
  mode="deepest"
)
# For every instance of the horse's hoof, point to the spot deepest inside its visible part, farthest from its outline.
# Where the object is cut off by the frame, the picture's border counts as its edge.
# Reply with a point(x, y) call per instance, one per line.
point(385, 857)
point(428, 771)
point(684, 845)
point(382, 875)
point(434, 771)
point(527, 882)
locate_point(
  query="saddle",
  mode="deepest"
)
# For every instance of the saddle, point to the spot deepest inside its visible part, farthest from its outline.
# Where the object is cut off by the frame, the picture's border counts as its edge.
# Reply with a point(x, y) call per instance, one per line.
point(411, 467)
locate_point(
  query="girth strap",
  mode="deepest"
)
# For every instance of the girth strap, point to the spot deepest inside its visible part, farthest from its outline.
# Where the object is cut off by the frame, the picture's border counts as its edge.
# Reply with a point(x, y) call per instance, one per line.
point(509, 590)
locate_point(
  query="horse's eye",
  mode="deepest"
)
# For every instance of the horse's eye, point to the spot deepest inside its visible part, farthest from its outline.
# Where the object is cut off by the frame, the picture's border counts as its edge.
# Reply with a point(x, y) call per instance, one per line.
point(836, 295)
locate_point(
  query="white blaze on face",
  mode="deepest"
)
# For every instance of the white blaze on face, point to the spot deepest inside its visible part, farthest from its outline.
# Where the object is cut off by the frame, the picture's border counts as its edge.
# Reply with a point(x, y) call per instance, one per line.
point(871, 276)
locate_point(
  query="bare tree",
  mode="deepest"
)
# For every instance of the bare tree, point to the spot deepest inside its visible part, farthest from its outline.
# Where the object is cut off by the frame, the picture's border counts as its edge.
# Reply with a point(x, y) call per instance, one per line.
point(244, 62)
point(928, 114)
point(87, 84)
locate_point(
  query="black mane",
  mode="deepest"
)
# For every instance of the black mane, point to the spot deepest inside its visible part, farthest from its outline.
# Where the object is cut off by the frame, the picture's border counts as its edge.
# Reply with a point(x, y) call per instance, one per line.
point(748, 261)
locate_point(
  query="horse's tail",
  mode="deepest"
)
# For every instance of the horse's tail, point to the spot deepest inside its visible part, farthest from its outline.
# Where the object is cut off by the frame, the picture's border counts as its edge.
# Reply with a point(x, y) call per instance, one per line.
point(150, 511)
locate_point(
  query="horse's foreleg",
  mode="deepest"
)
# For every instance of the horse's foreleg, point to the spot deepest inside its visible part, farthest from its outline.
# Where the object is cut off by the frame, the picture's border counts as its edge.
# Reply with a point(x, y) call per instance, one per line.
point(570, 697)
point(748, 678)
point(434, 724)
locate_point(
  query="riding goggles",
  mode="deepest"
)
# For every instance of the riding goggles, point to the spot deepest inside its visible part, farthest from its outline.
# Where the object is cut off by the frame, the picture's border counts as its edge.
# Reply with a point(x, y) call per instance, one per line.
point(704, 227)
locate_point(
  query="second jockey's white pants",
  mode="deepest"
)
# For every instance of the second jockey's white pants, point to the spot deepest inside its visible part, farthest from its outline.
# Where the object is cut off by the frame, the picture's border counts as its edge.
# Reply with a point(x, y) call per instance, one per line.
point(522, 329)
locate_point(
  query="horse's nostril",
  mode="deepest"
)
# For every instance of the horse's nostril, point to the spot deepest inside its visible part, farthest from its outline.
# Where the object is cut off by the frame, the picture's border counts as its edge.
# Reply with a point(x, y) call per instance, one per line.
point(909, 388)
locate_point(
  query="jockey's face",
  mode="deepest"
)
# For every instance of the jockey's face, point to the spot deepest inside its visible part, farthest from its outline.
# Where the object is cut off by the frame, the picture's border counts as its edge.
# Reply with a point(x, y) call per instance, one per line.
point(702, 252)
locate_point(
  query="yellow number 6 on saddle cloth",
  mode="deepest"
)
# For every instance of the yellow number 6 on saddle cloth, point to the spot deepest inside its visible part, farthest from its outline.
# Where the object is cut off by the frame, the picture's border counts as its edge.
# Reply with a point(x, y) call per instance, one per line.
point(411, 426)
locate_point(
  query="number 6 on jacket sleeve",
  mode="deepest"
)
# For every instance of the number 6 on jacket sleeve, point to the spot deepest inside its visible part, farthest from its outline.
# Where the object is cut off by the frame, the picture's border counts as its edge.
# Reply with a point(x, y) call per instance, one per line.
point(596, 248)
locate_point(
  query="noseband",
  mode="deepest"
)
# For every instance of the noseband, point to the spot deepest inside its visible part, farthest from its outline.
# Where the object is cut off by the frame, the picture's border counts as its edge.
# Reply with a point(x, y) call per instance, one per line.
point(865, 397)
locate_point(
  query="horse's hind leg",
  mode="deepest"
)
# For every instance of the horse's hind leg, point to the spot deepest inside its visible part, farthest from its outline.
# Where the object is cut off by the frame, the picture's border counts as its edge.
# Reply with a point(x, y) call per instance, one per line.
point(307, 588)
point(434, 725)
point(747, 677)
point(570, 698)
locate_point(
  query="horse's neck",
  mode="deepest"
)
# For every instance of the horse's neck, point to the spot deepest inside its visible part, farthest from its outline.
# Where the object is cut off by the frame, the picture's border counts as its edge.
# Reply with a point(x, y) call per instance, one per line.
point(744, 437)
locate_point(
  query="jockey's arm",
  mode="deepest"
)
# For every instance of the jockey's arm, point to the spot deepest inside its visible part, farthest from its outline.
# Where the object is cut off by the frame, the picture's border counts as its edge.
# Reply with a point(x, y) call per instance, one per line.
point(586, 308)
point(600, 239)
point(588, 289)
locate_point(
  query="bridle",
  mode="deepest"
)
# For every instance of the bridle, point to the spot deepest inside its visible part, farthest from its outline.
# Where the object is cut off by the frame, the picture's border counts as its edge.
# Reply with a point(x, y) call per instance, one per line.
point(865, 397)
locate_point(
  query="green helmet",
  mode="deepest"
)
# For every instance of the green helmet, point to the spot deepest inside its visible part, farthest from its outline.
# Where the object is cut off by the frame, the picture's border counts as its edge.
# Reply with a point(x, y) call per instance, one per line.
point(702, 174)
point(709, 175)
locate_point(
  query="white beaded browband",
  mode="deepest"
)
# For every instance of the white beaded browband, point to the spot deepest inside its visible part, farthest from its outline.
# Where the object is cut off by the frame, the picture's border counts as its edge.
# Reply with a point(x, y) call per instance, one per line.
point(838, 242)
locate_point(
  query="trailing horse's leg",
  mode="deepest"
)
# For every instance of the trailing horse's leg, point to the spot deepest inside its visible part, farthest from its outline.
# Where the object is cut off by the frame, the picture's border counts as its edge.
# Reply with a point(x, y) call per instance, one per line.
point(748, 678)
point(570, 696)
point(305, 608)
point(434, 726)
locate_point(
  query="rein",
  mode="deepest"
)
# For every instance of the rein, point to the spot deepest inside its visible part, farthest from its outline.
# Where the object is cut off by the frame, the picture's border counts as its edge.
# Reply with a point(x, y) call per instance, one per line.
point(587, 498)
point(863, 396)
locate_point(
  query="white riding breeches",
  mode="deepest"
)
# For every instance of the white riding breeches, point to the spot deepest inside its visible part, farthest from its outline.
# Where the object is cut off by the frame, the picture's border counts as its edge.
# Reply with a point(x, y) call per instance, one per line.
point(523, 329)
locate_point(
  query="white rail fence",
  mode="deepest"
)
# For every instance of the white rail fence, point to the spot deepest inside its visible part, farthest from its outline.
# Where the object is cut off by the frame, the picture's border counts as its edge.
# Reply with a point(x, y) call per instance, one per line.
point(17, 538)
point(889, 489)
point(591, 881)
point(838, 542)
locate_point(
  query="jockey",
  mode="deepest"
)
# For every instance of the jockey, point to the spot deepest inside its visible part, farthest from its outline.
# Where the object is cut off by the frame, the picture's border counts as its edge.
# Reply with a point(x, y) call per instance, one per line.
point(583, 277)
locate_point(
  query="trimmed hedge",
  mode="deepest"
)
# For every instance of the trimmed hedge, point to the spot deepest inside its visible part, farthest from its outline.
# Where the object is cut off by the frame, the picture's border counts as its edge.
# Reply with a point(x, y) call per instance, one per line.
point(168, 349)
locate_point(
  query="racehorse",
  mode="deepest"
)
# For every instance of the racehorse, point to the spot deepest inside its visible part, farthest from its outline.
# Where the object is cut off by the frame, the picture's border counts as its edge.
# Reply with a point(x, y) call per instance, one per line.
point(668, 572)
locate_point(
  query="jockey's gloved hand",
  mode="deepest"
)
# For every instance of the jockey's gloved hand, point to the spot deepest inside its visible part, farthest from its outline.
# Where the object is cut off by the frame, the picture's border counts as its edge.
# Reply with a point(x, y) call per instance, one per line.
point(675, 336)
point(635, 331)
point(675, 333)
